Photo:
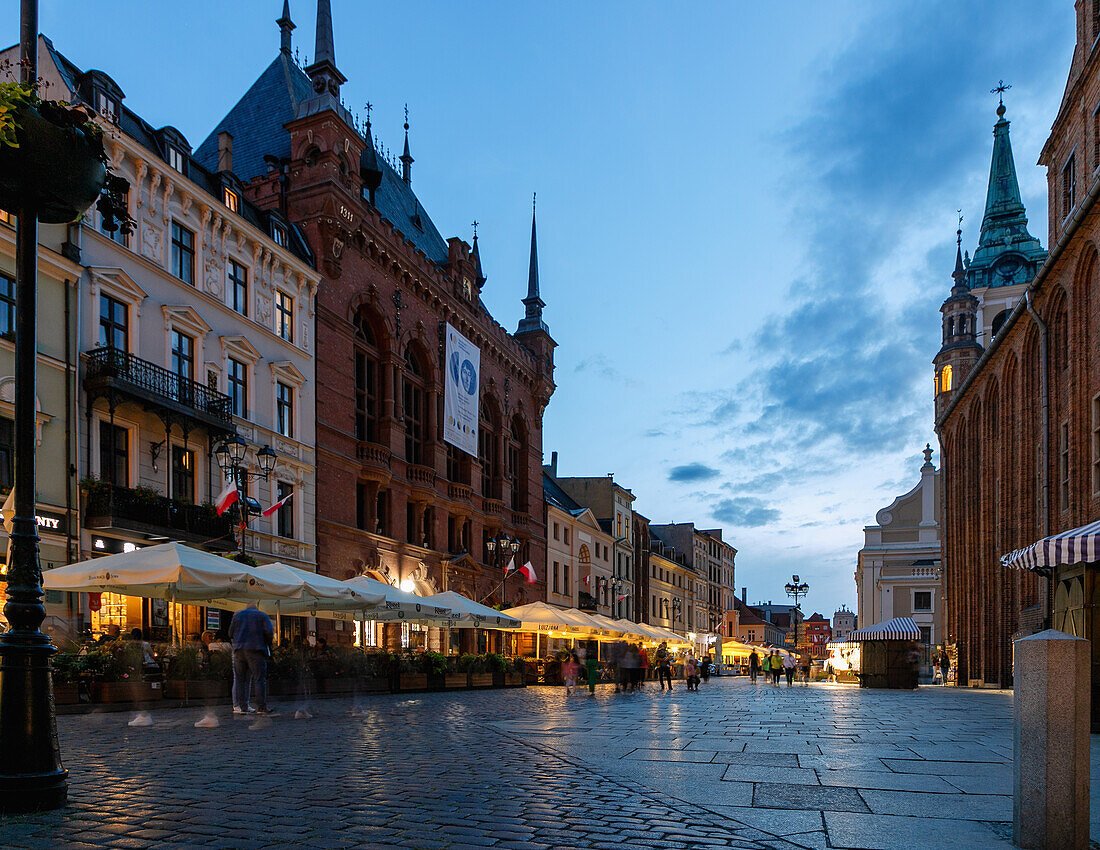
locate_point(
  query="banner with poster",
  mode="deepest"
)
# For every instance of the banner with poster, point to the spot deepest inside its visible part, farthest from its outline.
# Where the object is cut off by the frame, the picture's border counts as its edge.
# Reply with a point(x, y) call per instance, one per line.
point(461, 392)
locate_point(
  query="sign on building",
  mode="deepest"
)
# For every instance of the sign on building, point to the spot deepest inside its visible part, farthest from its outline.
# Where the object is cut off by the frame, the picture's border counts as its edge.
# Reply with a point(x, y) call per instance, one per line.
point(461, 392)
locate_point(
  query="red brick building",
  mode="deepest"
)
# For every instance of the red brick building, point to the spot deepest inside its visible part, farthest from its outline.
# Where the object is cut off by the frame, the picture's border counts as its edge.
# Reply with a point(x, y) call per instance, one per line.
point(818, 631)
point(393, 498)
point(1019, 423)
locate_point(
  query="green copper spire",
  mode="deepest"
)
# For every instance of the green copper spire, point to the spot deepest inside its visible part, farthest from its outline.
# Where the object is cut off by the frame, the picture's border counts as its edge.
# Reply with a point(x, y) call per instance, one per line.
point(1007, 253)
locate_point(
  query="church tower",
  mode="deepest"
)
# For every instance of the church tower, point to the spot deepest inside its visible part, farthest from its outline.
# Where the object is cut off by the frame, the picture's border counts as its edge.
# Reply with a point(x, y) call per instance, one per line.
point(960, 349)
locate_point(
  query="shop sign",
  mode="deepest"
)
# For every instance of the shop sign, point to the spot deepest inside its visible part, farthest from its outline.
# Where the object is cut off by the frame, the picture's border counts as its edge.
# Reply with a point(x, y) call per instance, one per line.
point(213, 619)
point(51, 522)
point(95, 601)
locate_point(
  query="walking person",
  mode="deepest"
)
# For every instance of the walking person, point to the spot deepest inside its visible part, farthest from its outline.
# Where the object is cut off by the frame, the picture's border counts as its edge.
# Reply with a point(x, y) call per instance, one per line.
point(643, 665)
point(754, 666)
point(570, 668)
point(805, 663)
point(251, 633)
point(788, 669)
point(664, 666)
point(776, 665)
point(704, 668)
point(945, 667)
point(691, 673)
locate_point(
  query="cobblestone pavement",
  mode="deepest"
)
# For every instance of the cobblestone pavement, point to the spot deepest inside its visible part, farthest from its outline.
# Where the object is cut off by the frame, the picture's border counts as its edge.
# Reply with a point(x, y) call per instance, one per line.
point(735, 765)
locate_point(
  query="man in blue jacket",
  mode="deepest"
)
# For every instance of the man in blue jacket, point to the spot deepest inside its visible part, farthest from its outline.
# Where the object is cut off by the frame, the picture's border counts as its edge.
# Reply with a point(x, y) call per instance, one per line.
point(251, 633)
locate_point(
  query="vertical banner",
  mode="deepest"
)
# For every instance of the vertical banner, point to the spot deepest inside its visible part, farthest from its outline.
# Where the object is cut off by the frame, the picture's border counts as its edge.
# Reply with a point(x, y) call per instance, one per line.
point(461, 392)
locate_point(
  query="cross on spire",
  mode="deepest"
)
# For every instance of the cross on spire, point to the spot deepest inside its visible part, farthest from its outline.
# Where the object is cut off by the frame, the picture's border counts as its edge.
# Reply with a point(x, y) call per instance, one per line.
point(475, 228)
point(1000, 90)
point(369, 107)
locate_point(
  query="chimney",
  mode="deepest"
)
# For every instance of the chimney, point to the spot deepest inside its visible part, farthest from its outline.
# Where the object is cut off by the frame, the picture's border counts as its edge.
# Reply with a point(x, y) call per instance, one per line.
point(225, 151)
point(744, 596)
point(553, 464)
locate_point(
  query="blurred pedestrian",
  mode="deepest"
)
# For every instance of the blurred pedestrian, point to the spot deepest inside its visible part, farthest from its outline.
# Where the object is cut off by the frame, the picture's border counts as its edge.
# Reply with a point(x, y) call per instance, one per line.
point(775, 666)
point(632, 661)
point(805, 662)
point(251, 633)
point(704, 668)
point(788, 668)
point(664, 666)
point(691, 673)
point(570, 668)
point(945, 667)
point(754, 666)
point(643, 665)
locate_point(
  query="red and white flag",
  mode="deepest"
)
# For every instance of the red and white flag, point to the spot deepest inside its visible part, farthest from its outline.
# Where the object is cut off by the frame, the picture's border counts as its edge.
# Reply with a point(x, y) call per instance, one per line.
point(227, 497)
point(510, 567)
point(621, 598)
point(528, 572)
point(278, 504)
point(586, 581)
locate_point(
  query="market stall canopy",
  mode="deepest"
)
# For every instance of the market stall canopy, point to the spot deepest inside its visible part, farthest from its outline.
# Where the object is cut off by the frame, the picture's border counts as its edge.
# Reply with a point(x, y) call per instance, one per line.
point(899, 628)
point(466, 612)
point(398, 604)
point(1069, 547)
point(169, 571)
point(546, 618)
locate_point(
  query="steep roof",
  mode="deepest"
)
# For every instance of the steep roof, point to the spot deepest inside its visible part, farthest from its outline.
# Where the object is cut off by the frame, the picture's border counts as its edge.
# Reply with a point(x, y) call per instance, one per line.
point(557, 497)
point(257, 124)
point(747, 616)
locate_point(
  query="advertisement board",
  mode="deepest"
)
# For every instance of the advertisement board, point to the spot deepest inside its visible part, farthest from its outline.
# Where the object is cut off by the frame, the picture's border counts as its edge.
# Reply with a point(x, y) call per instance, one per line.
point(462, 390)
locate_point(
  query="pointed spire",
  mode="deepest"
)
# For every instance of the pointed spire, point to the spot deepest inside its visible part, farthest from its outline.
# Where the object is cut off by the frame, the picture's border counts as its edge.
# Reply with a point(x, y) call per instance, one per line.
point(370, 172)
point(324, 74)
point(475, 256)
point(960, 271)
point(286, 25)
point(532, 320)
point(406, 157)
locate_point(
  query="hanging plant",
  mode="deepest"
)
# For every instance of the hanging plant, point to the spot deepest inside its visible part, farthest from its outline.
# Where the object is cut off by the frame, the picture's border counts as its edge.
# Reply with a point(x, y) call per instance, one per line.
point(52, 160)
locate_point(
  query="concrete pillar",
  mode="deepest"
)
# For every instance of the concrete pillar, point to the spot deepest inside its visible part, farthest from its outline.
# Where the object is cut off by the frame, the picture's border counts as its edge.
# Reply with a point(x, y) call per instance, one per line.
point(1050, 805)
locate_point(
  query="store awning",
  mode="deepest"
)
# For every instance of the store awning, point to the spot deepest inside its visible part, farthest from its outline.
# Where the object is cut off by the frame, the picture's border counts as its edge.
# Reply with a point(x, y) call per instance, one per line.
point(899, 628)
point(1070, 547)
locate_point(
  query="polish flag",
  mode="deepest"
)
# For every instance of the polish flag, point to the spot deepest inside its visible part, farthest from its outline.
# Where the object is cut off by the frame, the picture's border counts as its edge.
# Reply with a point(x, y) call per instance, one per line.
point(510, 567)
point(278, 504)
point(621, 598)
point(226, 498)
point(586, 581)
point(528, 572)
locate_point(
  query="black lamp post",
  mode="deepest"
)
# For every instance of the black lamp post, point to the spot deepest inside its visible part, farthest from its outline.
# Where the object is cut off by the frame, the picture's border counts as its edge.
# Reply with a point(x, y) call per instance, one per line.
point(677, 609)
point(615, 586)
point(500, 548)
point(31, 775)
point(230, 455)
point(796, 589)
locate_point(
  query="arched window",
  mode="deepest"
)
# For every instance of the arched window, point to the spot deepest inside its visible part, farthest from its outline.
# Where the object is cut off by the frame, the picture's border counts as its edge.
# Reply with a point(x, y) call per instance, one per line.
point(951, 326)
point(999, 320)
point(488, 450)
point(414, 400)
point(945, 379)
point(368, 373)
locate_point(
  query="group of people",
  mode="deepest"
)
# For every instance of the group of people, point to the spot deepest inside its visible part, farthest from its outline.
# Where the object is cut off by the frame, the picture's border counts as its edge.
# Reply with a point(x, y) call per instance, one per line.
point(777, 664)
point(941, 666)
point(628, 667)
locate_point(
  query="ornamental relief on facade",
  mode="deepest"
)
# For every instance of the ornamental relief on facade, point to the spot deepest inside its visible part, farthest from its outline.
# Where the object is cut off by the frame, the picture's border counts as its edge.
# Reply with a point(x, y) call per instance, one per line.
point(212, 278)
point(263, 309)
point(150, 241)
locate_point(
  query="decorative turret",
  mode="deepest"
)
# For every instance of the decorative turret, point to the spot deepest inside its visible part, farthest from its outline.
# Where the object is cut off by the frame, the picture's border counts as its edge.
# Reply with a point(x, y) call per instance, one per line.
point(533, 303)
point(960, 349)
point(286, 25)
point(370, 171)
point(406, 157)
point(323, 73)
point(475, 258)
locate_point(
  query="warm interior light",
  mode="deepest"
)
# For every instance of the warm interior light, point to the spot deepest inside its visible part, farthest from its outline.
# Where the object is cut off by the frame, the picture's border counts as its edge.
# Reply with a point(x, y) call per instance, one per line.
point(408, 585)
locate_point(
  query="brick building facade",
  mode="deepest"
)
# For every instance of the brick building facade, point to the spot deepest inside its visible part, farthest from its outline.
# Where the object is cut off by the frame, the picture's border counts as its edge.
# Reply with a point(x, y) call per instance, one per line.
point(1020, 432)
point(395, 500)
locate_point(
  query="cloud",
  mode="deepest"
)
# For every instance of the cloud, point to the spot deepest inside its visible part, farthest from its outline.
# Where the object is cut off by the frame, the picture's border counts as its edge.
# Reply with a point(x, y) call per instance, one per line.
point(692, 472)
point(745, 512)
point(598, 364)
point(654, 432)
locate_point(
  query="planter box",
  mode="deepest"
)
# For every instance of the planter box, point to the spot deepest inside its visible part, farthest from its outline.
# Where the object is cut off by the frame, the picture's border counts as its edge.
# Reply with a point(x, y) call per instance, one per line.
point(66, 693)
point(514, 680)
point(106, 692)
point(412, 681)
point(336, 686)
point(374, 685)
point(455, 680)
point(204, 689)
point(481, 680)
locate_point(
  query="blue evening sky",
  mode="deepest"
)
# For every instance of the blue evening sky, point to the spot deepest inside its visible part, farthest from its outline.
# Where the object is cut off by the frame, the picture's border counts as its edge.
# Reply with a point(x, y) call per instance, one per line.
point(746, 215)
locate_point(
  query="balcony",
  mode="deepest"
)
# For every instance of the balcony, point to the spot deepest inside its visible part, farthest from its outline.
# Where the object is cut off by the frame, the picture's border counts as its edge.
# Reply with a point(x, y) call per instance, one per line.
point(111, 371)
point(421, 477)
point(374, 457)
point(492, 507)
point(520, 519)
point(459, 492)
point(109, 506)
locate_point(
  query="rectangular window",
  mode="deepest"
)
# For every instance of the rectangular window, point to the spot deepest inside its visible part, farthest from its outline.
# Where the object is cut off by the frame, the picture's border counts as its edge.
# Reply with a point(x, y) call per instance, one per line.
point(113, 320)
point(555, 585)
point(278, 233)
point(238, 287)
point(106, 106)
point(922, 600)
point(361, 496)
point(1063, 467)
point(175, 160)
point(183, 253)
point(7, 218)
point(232, 200)
point(114, 454)
point(7, 307)
point(183, 474)
point(1096, 445)
point(284, 316)
point(556, 531)
point(926, 634)
point(7, 453)
point(565, 579)
point(1069, 185)
point(565, 533)
point(183, 355)
point(285, 514)
point(366, 401)
point(237, 384)
point(1096, 138)
point(284, 409)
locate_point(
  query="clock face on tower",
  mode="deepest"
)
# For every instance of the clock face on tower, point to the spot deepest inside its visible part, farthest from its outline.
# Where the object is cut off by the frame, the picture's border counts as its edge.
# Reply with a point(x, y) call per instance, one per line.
point(1007, 267)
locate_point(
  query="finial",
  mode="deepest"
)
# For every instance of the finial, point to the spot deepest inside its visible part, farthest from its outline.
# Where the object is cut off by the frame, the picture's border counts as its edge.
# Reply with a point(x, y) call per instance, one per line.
point(533, 196)
point(406, 118)
point(475, 228)
point(370, 106)
point(927, 456)
point(1000, 90)
point(959, 232)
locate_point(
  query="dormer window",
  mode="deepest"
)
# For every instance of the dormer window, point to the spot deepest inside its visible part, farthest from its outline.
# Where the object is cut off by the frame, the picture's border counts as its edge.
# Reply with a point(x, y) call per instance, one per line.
point(232, 199)
point(278, 233)
point(176, 160)
point(106, 106)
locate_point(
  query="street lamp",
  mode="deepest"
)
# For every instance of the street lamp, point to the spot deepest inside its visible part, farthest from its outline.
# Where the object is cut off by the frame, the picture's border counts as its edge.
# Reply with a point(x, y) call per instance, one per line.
point(615, 587)
point(230, 454)
point(677, 609)
point(501, 548)
point(795, 589)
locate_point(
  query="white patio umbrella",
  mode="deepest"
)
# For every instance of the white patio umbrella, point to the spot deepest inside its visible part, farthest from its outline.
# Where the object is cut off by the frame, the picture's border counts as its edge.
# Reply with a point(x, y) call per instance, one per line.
point(315, 594)
point(397, 604)
point(467, 613)
point(169, 571)
point(546, 618)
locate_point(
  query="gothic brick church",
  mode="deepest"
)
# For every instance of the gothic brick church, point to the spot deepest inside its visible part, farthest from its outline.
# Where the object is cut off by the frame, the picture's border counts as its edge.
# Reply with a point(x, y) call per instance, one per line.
point(394, 500)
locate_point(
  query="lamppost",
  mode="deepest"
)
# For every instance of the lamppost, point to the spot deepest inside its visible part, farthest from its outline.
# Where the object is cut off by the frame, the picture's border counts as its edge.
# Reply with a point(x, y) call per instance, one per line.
point(230, 456)
point(500, 548)
point(795, 589)
point(677, 609)
point(31, 775)
point(615, 587)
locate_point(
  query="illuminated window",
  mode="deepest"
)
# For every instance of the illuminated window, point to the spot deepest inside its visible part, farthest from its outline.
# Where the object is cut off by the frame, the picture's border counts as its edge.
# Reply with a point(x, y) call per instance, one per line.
point(7, 218)
point(232, 200)
point(183, 474)
point(945, 379)
point(284, 316)
point(278, 233)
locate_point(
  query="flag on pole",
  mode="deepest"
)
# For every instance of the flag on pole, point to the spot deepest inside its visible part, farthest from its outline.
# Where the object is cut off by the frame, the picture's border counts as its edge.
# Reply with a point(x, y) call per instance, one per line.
point(510, 567)
point(8, 512)
point(586, 581)
point(278, 504)
point(227, 497)
point(621, 598)
point(528, 572)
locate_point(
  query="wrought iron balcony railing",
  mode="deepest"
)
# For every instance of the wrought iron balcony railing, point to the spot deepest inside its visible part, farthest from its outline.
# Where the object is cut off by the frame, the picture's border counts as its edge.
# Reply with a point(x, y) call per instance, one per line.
point(110, 506)
point(112, 369)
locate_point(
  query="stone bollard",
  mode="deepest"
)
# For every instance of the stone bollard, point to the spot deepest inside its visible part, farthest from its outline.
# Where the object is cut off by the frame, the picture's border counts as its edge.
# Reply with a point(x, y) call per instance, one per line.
point(1050, 804)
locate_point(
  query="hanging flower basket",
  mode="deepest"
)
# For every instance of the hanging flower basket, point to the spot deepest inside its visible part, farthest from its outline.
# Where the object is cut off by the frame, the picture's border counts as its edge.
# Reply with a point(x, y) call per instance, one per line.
point(56, 164)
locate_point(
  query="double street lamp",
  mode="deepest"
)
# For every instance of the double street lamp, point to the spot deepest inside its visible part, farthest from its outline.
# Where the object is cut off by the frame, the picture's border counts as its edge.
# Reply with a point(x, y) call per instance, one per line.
point(796, 589)
point(501, 549)
point(230, 455)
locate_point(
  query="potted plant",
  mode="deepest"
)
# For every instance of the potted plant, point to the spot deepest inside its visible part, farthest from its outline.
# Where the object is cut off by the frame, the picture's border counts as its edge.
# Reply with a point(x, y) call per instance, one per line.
point(410, 673)
point(435, 665)
point(515, 676)
point(474, 667)
point(189, 677)
point(455, 679)
point(288, 672)
point(67, 673)
point(335, 672)
point(52, 160)
point(495, 665)
point(116, 674)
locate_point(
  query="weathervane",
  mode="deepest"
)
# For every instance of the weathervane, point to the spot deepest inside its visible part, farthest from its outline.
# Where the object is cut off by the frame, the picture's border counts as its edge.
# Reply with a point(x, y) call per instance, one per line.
point(1000, 90)
point(475, 228)
point(959, 232)
point(369, 107)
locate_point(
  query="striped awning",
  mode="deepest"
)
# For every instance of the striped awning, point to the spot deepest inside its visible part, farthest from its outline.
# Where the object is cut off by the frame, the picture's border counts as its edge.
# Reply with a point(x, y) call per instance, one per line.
point(1069, 547)
point(899, 628)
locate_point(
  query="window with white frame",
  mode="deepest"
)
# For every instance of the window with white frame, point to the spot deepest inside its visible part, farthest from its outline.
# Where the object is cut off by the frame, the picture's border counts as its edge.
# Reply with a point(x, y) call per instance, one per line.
point(922, 600)
point(284, 315)
point(176, 160)
point(237, 385)
point(238, 287)
point(284, 409)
